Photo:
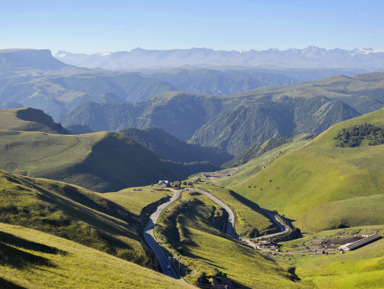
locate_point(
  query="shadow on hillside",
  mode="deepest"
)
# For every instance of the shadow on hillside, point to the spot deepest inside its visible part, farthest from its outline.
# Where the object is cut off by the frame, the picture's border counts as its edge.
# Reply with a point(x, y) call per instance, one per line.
point(239, 285)
point(25, 244)
point(20, 259)
point(195, 194)
point(9, 285)
point(247, 202)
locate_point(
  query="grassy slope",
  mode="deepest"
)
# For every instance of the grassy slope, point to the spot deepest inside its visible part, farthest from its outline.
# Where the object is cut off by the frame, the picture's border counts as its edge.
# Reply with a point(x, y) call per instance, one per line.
point(138, 200)
point(362, 268)
point(99, 161)
point(320, 173)
point(70, 265)
point(70, 212)
point(28, 119)
point(249, 218)
point(242, 173)
point(188, 227)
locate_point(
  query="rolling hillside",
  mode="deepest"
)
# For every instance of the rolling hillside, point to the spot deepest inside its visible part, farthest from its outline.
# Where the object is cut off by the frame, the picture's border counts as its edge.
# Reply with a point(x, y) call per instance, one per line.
point(32, 259)
point(70, 212)
point(323, 185)
point(190, 230)
point(103, 161)
point(28, 119)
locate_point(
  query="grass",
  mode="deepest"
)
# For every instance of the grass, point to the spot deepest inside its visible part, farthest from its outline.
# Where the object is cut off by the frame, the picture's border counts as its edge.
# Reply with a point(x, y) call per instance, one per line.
point(361, 268)
point(139, 201)
point(16, 119)
point(254, 166)
point(317, 174)
point(249, 217)
point(189, 231)
point(72, 265)
point(102, 161)
point(345, 213)
point(72, 213)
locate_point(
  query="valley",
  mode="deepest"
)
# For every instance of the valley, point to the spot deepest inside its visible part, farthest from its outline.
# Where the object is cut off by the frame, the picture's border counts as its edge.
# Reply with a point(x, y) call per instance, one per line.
point(189, 177)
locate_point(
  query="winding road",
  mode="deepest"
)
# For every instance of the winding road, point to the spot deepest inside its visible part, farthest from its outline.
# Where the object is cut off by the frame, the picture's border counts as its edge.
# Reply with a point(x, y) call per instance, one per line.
point(165, 263)
point(230, 228)
point(283, 227)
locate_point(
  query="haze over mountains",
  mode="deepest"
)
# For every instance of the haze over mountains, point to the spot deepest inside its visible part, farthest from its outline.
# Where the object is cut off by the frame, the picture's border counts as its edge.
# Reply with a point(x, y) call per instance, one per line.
point(216, 111)
point(304, 58)
point(303, 142)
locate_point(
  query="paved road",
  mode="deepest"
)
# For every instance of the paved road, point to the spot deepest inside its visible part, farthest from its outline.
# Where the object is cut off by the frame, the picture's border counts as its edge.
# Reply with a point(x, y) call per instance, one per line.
point(283, 227)
point(231, 216)
point(165, 264)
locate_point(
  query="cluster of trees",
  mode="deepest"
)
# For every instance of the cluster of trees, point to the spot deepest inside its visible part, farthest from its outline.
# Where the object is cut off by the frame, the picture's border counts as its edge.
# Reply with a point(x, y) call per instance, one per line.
point(353, 136)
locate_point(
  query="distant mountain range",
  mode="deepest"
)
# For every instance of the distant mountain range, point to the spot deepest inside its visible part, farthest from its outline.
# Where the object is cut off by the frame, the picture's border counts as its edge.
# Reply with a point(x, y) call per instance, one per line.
point(228, 107)
point(36, 79)
point(311, 56)
point(236, 122)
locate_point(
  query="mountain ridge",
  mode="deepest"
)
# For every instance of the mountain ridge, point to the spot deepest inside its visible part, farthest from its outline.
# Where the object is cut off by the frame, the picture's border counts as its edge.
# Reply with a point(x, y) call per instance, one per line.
point(308, 57)
point(225, 121)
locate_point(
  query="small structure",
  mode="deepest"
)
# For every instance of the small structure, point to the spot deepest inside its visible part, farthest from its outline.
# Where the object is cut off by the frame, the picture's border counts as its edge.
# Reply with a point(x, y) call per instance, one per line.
point(198, 180)
point(163, 184)
point(360, 243)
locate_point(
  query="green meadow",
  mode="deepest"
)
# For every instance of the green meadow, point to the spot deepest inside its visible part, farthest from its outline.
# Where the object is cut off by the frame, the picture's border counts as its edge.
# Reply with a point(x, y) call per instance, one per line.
point(72, 213)
point(361, 268)
point(36, 260)
point(140, 201)
point(301, 183)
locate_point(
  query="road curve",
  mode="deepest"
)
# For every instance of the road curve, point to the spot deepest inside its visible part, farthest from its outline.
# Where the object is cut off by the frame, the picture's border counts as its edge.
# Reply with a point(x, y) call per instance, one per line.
point(165, 264)
point(230, 228)
point(282, 226)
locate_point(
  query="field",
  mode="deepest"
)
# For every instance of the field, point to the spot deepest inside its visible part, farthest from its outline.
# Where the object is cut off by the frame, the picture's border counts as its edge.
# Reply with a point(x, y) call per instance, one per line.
point(37, 260)
point(139, 200)
point(361, 268)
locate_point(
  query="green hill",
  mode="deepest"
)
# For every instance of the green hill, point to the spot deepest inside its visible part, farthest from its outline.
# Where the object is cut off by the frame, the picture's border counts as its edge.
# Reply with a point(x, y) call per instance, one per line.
point(260, 148)
point(103, 161)
point(28, 119)
point(32, 259)
point(322, 185)
point(72, 213)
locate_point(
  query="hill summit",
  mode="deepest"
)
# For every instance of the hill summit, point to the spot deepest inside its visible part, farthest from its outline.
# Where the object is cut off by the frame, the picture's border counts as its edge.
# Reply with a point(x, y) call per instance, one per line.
point(29, 58)
point(29, 119)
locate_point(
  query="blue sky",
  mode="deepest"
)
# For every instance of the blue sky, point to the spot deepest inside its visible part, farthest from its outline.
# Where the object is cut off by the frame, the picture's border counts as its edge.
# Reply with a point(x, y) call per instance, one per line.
point(116, 25)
